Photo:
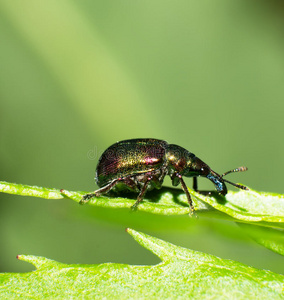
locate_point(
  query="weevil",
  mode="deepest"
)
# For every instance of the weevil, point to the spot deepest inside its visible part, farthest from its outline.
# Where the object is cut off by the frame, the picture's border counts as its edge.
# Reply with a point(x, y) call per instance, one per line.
point(140, 165)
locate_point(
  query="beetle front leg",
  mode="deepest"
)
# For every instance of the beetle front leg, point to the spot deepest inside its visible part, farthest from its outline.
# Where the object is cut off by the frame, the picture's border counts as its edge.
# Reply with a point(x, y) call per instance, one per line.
point(195, 186)
point(86, 198)
point(184, 187)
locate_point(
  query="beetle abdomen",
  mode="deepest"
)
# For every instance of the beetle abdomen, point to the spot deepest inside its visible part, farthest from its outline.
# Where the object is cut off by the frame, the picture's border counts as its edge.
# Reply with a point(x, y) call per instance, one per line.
point(130, 157)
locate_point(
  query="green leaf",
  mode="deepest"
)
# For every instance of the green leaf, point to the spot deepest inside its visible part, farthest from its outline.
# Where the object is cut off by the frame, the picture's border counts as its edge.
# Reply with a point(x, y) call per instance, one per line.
point(270, 238)
point(266, 209)
point(28, 190)
point(249, 206)
point(183, 273)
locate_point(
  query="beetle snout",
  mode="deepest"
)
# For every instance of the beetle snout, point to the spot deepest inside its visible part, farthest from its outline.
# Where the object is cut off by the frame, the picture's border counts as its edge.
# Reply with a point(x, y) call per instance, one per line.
point(218, 182)
point(224, 190)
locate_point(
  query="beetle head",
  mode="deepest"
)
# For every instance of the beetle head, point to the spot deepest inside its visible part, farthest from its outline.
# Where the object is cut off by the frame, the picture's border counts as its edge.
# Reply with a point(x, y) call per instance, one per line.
point(196, 167)
point(185, 163)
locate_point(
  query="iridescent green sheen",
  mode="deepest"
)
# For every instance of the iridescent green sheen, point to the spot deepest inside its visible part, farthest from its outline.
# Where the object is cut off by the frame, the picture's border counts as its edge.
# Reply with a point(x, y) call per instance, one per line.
point(140, 165)
point(130, 157)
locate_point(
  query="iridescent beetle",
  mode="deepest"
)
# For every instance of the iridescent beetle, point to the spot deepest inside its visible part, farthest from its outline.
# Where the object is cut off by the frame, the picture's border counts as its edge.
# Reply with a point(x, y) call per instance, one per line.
point(140, 165)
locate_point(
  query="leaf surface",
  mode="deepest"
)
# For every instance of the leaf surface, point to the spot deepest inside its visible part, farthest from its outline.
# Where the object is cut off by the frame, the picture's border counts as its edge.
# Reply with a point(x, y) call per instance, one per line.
point(266, 209)
point(182, 273)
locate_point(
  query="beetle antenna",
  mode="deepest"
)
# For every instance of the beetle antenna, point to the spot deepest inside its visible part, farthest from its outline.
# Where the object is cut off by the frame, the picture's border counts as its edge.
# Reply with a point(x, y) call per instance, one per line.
point(240, 186)
point(240, 169)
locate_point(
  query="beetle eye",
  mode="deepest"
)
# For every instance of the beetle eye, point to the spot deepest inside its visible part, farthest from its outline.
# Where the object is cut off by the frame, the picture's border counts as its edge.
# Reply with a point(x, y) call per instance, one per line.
point(204, 171)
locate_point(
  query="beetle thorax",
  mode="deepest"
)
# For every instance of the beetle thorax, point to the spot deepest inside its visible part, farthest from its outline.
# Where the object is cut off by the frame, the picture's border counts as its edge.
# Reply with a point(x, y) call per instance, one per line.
point(178, 159)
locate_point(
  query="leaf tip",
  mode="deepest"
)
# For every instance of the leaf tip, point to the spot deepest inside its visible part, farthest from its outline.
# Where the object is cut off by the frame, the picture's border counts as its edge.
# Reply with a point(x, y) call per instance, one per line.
point(37, 261)
point(156, 246)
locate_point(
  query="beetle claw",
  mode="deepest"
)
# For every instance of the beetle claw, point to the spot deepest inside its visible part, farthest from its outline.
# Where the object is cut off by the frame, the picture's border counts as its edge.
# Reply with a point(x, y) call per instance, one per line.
point(134, 206)
point(86, 198)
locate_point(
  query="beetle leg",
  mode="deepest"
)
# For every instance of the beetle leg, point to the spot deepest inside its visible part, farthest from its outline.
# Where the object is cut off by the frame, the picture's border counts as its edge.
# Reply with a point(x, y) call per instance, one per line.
point(86, 198)
point(142, 193)
point(157, 182)
point(195, 186)
point(187, 193)
point(175, 179)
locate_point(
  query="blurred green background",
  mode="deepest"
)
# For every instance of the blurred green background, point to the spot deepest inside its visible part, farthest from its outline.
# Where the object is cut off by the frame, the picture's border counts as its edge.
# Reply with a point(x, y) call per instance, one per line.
point(77, 76)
